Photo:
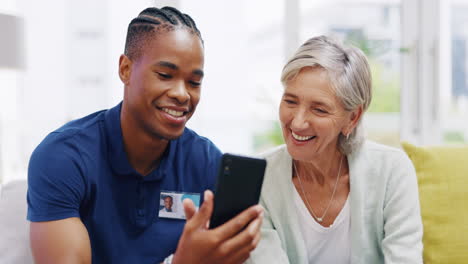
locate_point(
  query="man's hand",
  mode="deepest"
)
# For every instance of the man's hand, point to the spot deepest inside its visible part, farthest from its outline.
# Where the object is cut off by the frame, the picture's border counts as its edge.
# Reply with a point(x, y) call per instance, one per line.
point(229, 243)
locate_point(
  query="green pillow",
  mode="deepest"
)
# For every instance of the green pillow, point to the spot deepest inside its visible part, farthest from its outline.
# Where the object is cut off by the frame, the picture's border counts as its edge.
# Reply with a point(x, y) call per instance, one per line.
point(443, 191)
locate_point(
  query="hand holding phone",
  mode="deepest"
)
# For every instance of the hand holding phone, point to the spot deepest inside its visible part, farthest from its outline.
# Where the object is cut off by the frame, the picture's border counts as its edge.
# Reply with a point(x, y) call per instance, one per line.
point(230, 243)
point(237, 190)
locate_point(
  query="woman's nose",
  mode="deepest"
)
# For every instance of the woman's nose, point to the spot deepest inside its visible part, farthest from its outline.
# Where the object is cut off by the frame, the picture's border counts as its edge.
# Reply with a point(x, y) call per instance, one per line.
point(300, 121)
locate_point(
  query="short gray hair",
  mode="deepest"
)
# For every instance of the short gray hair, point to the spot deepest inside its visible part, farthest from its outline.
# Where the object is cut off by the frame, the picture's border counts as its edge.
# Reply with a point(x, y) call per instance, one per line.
point(349, 75)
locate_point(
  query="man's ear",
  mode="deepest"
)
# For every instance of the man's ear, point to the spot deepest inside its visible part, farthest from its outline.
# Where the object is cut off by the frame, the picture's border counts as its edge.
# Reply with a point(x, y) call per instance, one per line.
point(355, 116)
point(125, 69)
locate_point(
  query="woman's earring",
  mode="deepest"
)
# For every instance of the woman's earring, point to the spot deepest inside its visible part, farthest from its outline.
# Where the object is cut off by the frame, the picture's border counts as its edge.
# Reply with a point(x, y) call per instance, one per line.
point(347, 136)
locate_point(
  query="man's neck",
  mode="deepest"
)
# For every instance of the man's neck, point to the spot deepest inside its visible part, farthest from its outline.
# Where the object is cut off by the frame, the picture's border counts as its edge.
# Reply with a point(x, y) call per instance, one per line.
point(143, 150)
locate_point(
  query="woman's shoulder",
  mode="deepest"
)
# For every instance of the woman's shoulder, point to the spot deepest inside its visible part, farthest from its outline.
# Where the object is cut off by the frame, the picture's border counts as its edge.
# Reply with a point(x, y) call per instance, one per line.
point(373, 158)
point(277, 180)
point(278, 162)
point(275, 153)
point(375, 146)
point(379, 152)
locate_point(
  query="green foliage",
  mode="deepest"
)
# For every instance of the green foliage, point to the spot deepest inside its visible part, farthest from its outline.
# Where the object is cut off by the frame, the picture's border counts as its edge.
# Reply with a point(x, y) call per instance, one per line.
point(454, 137)
point(386, 90)
point(269, 138)
point(372, 48)
point(385, 82)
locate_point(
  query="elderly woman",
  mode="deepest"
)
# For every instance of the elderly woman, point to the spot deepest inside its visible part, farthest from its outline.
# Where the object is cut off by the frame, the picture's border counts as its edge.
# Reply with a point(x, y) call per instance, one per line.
point(329, 195)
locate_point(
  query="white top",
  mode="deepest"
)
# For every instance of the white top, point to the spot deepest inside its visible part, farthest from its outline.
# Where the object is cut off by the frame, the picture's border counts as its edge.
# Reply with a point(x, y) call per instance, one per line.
point(325, 244)
point(386, 224)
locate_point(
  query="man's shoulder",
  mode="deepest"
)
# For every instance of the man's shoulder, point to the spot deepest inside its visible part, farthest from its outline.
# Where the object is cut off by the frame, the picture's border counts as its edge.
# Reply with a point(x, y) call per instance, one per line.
point(196, 142)
point(86, 124)
point(198, 156)
point(71, 137)
point(191, 135)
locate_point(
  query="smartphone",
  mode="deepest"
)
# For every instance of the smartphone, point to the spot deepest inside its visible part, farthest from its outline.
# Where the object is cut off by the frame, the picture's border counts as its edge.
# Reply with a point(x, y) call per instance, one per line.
point(238, 186)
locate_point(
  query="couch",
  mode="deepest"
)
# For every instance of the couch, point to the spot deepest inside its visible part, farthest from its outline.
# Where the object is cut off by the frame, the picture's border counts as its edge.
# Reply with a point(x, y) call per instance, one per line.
point(14, 228)
point(443, 190)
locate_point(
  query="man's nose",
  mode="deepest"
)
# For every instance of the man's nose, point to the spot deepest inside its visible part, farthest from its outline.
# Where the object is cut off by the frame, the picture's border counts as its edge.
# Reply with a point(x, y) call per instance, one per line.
point(179, 92)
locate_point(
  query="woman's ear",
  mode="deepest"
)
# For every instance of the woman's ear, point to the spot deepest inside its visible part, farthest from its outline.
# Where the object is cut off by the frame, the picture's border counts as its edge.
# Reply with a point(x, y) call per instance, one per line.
point(125, 69)
point(354, 118)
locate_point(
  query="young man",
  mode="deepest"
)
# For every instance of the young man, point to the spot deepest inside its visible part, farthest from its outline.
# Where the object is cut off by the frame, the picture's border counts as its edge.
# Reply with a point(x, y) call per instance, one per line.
point(168, 201)
point(95, 183)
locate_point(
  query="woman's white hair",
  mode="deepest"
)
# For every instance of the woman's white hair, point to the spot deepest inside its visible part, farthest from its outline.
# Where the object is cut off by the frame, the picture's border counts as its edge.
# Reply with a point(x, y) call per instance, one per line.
point(349, 75)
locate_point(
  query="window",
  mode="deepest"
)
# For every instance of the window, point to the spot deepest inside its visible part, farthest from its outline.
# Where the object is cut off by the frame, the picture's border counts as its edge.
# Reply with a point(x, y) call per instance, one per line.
point(374, 27)
point(244, 55)
point(455, 96)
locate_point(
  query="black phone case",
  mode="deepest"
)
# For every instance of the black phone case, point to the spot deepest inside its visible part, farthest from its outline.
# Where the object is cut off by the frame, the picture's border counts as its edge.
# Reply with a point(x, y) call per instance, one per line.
point(238, 186)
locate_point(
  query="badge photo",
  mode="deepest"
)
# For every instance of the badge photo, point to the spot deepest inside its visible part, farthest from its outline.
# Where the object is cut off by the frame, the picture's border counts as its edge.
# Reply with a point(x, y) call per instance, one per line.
point(170, 204)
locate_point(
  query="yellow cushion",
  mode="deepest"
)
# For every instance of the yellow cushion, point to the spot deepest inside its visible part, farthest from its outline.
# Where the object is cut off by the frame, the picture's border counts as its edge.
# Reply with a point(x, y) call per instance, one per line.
point(443, 191)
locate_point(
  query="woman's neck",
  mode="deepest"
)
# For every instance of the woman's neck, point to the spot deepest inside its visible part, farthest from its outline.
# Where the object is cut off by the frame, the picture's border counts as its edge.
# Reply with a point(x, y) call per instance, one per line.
point(322, 169)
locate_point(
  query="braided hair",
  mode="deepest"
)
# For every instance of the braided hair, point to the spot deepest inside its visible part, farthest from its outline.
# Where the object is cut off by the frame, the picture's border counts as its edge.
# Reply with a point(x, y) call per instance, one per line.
point(151, 21)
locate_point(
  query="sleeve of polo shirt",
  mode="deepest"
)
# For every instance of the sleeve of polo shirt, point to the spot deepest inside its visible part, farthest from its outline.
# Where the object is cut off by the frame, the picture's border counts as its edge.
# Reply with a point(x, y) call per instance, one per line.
point(56, 186)
point(214, 158)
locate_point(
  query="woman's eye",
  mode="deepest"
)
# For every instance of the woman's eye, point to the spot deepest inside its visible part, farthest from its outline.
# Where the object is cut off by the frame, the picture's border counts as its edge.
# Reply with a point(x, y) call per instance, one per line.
point(321, 111)
point(164, 75)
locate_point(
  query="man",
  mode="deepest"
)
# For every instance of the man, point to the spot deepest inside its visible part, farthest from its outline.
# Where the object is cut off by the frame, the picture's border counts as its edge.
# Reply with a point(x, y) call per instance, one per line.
point(168, 204)
point(167, 210)
point(95, 183)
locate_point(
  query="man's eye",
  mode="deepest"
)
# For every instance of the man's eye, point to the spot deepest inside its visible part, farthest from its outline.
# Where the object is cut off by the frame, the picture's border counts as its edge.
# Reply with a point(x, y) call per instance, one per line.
point(321, 111)
point(164, 75)
point(196, 84)
point(289, 101)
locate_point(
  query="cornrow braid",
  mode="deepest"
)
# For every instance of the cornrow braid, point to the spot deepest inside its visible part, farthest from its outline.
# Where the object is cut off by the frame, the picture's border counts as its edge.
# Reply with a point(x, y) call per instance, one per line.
point(153, 20)
point(181, 17)
point(160, 14)
point(145, 20)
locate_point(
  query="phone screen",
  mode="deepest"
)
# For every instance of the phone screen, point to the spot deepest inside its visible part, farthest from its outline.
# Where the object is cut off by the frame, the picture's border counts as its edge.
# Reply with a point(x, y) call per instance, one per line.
point(238, 186)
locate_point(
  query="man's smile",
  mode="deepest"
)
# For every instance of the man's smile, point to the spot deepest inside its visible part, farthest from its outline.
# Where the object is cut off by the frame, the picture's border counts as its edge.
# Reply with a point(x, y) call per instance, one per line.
point(174, 113)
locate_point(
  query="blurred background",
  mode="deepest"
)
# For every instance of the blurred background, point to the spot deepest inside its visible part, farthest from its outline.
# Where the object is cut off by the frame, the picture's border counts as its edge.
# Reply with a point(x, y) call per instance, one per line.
point(59, 58)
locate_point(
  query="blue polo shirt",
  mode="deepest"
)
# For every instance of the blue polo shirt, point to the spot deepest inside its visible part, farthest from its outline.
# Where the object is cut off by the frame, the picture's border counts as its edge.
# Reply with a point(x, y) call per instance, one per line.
point(81, 170)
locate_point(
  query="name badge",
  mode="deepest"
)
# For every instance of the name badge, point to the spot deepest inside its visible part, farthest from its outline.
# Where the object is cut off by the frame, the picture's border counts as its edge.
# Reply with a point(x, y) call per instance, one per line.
point(170, 204)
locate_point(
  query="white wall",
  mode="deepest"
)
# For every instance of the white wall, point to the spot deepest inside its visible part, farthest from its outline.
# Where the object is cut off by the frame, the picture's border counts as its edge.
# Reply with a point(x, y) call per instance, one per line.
point(238, 89)
point(72, 50)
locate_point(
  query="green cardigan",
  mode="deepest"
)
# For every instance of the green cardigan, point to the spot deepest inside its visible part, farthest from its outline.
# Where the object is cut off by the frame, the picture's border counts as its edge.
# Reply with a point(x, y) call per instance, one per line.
point(386, 224)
